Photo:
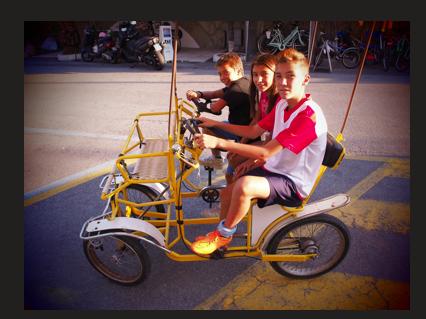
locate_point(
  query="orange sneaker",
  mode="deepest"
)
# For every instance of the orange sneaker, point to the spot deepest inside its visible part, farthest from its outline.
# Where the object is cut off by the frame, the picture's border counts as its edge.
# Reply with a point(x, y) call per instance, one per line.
point(205, 245)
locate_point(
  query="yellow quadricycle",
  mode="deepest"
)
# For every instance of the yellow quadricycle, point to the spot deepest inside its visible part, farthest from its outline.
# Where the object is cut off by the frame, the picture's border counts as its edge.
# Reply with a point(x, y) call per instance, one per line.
point(145, 198)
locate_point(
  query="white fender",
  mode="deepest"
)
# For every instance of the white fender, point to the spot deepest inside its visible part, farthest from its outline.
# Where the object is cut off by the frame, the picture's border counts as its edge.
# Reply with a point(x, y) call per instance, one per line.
point(127, 223)
point(263, 217)
point(159, 188)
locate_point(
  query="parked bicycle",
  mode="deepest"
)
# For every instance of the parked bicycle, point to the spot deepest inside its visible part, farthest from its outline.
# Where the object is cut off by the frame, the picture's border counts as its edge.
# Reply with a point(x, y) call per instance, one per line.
point(402, 54)
point(272, 39)
point(339, 49)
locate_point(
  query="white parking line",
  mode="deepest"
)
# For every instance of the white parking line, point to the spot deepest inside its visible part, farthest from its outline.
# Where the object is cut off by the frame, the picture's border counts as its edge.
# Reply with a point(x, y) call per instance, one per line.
point(72, 133)
point(71, 180)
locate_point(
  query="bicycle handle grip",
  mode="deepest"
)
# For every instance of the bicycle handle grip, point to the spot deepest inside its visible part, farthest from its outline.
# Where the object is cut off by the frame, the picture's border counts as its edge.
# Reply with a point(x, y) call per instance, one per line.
point(107, 184)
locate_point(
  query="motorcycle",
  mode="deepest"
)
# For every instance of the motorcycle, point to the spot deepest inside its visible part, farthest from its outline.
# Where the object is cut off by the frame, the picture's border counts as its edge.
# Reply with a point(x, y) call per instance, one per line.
point(100, 45)
point(135, 47)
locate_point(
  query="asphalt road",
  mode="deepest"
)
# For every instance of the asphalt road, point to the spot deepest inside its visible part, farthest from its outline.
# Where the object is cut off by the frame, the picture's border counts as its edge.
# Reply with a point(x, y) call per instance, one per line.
point(76, 116)
point(79, 113)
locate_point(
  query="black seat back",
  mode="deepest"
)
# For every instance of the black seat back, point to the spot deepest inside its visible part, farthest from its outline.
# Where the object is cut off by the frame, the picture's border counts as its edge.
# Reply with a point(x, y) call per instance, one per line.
point(334, 152)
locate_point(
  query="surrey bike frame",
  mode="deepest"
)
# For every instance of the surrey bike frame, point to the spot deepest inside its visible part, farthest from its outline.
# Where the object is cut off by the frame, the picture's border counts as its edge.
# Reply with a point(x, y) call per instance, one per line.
point(262, 224)
point(118, 218)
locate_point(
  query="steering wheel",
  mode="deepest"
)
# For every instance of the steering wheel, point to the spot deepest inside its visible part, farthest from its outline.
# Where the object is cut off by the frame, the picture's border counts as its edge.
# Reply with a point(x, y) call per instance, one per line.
point(191, 125)
point(203, 106)
point(180, 155)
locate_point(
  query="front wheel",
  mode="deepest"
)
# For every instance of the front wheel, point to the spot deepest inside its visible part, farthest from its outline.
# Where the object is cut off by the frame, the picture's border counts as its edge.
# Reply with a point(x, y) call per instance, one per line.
point(351, 58)
point(139, 193)
point(159, 60)
point(402, 63)
point(301, 43)
point(386, 60)
point(323, 235)
point(263, 45)
point(121, 259)
point(86, 55)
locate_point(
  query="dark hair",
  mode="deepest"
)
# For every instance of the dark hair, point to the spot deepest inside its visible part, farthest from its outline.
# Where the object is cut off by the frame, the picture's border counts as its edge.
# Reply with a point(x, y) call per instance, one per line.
point(233, 60)
point(269, 61)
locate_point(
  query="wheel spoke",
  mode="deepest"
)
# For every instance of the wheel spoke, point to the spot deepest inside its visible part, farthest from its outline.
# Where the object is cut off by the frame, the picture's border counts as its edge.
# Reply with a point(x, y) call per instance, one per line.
point(321, 235)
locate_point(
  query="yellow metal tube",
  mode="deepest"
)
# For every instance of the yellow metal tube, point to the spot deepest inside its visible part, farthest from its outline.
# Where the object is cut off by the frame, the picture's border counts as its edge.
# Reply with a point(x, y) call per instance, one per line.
point(292, 258)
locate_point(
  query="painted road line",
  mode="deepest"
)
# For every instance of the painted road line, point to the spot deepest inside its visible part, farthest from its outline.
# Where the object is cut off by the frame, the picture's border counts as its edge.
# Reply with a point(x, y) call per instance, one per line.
point(66, 183)
point(399, 167)
point(373, 214)
point(73, 133)
point(261, 288)
point(376, 215)
point(69, 181)
point(391, 168)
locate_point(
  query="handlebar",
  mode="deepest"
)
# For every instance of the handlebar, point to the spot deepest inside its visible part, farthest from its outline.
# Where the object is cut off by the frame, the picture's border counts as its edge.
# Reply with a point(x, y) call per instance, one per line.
point(203, 106)
point(177, 150)
point(191, 125)
point(107, 185)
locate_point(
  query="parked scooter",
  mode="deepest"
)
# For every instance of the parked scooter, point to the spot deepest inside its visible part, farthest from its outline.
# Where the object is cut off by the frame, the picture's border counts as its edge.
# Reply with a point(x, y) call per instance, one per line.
point(100, 45)
point(136, 48)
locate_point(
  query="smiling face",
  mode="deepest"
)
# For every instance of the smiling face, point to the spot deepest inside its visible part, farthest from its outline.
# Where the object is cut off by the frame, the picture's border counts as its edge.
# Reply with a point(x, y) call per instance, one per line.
point(291, 80)
point(263, 77)
point(227, 74)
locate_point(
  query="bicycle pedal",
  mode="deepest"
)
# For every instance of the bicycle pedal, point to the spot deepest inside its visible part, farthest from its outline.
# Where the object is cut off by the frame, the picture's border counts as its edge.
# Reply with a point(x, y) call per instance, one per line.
point(218, 253)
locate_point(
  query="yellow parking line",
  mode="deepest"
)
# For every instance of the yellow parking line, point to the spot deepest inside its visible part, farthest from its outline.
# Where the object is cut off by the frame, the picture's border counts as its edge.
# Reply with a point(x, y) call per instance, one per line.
point(65, 187)
point(376, 215)
point(373, 214)
point(261, 288)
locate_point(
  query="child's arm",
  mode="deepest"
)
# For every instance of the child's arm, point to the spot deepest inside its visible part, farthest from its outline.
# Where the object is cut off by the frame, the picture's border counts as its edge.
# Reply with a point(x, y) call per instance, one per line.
point(215, 106)
point(251, 132)
point(262, 152)
point(207, 95)
point(255, 119)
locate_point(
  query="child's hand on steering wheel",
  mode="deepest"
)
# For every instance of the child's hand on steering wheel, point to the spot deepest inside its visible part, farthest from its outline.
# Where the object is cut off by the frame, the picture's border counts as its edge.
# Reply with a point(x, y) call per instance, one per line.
point(206, 141)
point(206, 122)
point(191, 95)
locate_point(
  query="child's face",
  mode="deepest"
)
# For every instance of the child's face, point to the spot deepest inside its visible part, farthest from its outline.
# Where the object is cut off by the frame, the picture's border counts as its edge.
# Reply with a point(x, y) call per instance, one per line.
point(291, 80)
point(263, 77)
point(227, 74)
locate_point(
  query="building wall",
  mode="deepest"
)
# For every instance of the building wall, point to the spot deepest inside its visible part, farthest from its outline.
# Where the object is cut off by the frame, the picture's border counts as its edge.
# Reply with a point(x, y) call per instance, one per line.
point(208, 34)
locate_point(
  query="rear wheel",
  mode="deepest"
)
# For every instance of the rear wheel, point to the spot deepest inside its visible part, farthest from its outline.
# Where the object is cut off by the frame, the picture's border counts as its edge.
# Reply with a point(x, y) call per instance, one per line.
point(402, 63)
point(159, 60)
point(386, 60)
point(86, 56)
point(119, 258)
point(302, 44)
point(139, 193)
point(263, 44)
point(323, 235)
point(351, 58)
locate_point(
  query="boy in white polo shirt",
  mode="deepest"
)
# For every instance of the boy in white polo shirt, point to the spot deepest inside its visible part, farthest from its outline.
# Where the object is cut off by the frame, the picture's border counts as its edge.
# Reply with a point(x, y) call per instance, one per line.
point(284, 170)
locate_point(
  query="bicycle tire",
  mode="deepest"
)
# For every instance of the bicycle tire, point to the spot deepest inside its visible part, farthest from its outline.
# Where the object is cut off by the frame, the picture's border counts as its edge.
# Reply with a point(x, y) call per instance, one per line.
point(402, 63)
point(301, 237)
point(86, 56)
point(299, 46)
point(139, 193)
point(351, 58)
point(159, 60)
point(386, 59)
point(113, 257)
point(263, 47)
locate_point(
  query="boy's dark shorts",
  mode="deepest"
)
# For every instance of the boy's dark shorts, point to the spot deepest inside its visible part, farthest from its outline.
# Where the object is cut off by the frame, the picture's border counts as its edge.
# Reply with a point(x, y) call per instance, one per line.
point(283, 189)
